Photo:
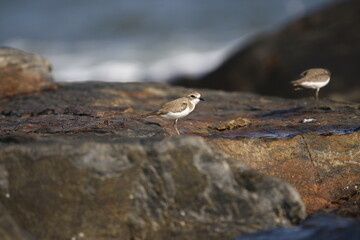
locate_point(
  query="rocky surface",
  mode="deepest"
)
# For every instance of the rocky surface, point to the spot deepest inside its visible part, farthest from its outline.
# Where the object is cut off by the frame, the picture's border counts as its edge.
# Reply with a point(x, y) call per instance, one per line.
point(172, 188)
point(82, 161)
point(23, 73)
point(317, 228)
point(9, 230)
point(328, 39)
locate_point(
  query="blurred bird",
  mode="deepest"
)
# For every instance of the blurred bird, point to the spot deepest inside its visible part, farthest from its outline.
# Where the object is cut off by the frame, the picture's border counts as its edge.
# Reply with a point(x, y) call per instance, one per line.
point(314, 78)
point(178, 108)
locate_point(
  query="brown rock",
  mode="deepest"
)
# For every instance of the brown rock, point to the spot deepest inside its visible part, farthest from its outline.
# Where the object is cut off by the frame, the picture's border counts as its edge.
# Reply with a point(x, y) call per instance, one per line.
point(230, 124)
point(346, 205)
point(322, 168)
point(88, 142)
point(23, 73)
point(328, 39)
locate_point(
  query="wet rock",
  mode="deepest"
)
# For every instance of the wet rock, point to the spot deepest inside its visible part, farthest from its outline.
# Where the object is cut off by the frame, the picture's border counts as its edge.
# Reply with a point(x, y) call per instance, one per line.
point(89, 142)
point(327, 39)
point(178, 188)
point(324, 227)
point(317, 157)
point(23, 73)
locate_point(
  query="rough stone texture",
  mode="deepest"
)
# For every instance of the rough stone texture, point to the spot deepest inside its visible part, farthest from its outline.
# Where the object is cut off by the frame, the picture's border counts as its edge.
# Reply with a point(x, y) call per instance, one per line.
point(313, 156)
point(229, 124)
point(172, 188)
point(9, 230)
point(322, 227)
point(91, 149)
point(23, 73)
point(328, 38)
point(322, 168)
point(344, 206)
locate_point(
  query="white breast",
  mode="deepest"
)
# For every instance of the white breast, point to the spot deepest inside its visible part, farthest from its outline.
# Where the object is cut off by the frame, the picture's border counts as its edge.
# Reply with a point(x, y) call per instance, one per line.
point(171, 115)
point(315, 85)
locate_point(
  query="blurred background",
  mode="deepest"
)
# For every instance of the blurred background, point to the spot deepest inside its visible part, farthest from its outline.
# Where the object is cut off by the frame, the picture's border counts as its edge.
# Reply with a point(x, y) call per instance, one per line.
point(126, 40)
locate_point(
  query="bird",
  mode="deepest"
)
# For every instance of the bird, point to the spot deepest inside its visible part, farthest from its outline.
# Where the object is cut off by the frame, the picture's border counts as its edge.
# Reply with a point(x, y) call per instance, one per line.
point(178, 108)
point(313, 78)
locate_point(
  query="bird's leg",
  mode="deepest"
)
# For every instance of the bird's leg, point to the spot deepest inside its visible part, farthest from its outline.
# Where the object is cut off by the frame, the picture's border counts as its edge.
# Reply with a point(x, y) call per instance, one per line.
point(175, 126)
point(317, 94)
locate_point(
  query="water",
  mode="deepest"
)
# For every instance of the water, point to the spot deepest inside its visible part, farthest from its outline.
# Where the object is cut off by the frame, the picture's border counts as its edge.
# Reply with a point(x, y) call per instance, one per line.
point(114, 40)
point(321, 227)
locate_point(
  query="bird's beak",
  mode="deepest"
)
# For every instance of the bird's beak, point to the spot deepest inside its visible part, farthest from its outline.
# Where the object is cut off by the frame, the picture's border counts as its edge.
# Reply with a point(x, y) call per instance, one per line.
point(201, 99)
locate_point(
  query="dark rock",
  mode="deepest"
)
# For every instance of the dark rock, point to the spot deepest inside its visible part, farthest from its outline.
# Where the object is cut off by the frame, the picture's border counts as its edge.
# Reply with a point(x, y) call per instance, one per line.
point(324, 227)
point(23, 73)
point(172, 188)
point(83, 158)
point(328, 39)
point(322, 160)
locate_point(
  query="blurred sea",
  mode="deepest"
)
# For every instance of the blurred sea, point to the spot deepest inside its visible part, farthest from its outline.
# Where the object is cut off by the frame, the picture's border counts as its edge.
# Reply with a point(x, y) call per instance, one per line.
point(140, 40)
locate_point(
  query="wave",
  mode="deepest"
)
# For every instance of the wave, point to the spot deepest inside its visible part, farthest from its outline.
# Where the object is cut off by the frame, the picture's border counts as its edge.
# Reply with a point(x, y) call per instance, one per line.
point(109, 61)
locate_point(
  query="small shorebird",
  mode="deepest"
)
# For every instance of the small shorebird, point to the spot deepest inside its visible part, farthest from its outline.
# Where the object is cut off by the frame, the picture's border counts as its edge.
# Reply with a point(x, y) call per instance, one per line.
point(314, 78)
point(178, 108)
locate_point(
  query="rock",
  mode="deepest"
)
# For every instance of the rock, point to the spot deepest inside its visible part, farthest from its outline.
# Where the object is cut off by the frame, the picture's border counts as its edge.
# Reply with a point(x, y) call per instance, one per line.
point(230, 124)
point(23, 73)
point(9, 230)
point(322, 168)
point(324, 227)
point(89, 142)
point(345, 206)
point(327, 39)
point(178, 188)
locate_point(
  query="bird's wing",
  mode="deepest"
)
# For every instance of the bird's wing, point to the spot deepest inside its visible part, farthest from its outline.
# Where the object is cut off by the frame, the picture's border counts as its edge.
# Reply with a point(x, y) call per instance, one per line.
point(298, 81)
point(182, 107)
point(176, 105)
point(318, 77)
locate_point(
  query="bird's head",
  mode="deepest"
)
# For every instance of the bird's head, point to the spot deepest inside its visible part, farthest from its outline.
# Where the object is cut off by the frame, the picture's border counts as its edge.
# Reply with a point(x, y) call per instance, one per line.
point(194, 97)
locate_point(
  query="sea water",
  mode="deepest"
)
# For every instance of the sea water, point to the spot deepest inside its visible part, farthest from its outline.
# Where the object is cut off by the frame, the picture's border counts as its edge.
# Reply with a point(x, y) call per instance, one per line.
point(140, 40)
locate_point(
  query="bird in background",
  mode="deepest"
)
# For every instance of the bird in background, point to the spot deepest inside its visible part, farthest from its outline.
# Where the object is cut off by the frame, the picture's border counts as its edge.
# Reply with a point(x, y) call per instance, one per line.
point(314, 78)
point(178, 108)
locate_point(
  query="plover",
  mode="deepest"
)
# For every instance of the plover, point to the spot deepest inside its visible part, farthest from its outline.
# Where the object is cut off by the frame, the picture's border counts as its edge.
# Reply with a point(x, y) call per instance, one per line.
point(178, 108)
point(314, 78)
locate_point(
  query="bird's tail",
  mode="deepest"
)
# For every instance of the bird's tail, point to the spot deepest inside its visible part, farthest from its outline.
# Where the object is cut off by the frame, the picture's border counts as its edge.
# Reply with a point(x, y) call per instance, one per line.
point(297, 84)
point(140, 117)
point(149, 115)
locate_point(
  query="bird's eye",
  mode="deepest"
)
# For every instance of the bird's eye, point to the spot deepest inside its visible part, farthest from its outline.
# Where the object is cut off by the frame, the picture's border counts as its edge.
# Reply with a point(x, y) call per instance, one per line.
point(192, 96)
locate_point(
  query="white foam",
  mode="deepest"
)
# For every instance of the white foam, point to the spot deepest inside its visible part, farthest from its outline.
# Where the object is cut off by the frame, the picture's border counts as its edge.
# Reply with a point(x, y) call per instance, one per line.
point(185, 64)
point(111, 71)
point(83, 61)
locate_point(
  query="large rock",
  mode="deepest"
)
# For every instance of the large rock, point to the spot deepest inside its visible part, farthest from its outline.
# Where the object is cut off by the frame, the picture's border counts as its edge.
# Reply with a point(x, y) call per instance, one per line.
point(328, 38)
point(96, 158)
point(172, 188)
point(23, 73)
point(324, 169)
